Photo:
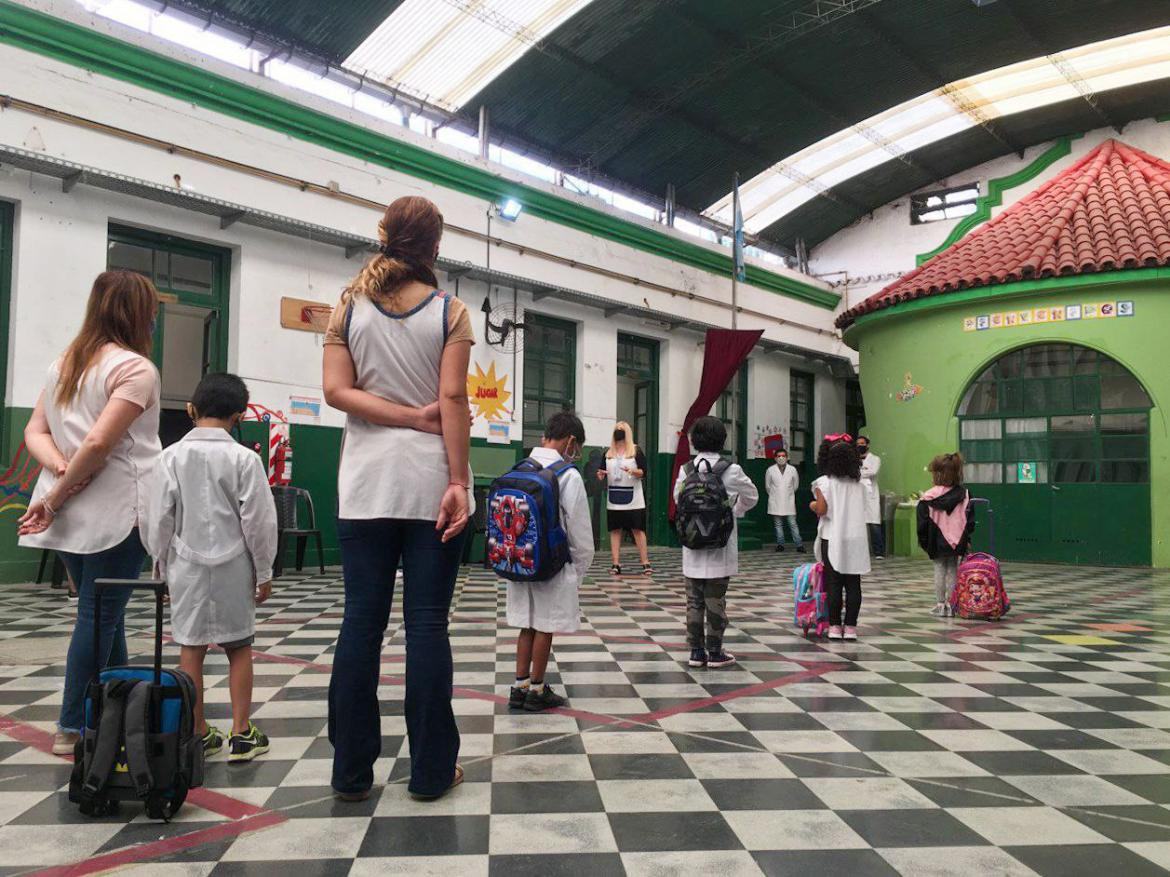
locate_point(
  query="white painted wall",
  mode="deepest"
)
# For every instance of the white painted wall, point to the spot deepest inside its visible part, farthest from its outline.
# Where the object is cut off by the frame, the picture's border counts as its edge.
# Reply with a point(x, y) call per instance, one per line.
point(884, 243)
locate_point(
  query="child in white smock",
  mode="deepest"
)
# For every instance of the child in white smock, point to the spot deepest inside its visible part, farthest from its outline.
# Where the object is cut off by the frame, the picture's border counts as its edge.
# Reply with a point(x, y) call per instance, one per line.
point(842, 541)
point(211, 528)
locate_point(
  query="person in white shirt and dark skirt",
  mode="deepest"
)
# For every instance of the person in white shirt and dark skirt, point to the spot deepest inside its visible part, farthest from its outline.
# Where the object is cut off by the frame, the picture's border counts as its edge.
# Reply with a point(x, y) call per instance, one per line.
point(625, 502)
point(839, 502)
point(781, 483)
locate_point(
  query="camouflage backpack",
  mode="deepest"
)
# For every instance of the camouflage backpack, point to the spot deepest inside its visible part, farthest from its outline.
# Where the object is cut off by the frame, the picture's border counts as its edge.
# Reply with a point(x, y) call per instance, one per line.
point(704, 514)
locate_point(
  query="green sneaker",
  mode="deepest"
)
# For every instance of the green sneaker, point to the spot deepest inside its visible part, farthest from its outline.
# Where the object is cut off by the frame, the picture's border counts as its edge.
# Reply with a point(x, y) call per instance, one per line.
point(212, 741)
point(246, 746)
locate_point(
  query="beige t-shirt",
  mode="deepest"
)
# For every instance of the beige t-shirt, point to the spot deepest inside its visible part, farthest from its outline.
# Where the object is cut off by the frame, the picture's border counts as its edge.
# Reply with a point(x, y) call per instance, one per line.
point(458, 320)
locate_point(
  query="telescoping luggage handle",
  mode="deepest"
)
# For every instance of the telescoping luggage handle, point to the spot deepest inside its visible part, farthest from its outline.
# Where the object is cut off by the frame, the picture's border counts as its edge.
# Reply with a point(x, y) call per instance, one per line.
point(979, 500)
point(159, 587)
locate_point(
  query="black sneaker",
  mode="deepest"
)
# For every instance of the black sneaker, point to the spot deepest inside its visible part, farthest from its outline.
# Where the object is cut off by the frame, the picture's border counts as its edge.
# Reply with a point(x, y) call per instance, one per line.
point(212, 741)
point(720, 659)
point(698, 658)
point(800, 549)
point(545, 699)
point(779, 547)
point(516, 698)
point(245, 747)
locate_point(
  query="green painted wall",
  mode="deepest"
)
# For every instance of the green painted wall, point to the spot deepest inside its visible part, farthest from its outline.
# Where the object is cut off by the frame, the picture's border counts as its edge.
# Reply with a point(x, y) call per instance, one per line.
point(925, 340)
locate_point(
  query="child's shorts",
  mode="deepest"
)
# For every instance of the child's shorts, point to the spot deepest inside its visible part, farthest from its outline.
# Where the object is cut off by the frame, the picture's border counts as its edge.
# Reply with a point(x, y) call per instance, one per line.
point(238, 644)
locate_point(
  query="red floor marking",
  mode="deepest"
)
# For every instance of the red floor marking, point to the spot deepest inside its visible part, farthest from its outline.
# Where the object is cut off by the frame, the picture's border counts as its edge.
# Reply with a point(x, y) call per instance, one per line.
point(167, 846)
point(746, 691)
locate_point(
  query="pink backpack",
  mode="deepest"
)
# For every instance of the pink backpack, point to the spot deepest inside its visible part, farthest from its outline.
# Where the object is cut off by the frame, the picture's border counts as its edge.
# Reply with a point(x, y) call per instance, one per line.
point(810, 602)
point(979, 592)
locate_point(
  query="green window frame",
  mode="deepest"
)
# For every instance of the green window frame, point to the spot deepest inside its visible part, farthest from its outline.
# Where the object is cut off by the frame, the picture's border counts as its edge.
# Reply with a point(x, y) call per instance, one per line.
point(1055, 414)
point(731, 408)
point(802, 450)
point(550, 372)
point(184, 271)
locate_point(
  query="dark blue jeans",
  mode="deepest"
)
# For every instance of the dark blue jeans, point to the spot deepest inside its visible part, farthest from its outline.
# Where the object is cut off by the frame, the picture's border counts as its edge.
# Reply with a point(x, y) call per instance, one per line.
point(371, 552)
point(123, 561)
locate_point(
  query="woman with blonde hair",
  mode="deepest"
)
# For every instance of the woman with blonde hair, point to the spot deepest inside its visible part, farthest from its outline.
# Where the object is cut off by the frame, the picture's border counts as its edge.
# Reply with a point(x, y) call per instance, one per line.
point(95, 433)
point(625, 503)
point(396, 356)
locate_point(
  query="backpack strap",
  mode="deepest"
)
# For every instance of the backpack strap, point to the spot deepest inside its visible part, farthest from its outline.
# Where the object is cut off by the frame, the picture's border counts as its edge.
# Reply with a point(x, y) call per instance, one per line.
point(688, 470)
point(559, 468)
point(136, 728)
point(721, 467)
point(109, 735)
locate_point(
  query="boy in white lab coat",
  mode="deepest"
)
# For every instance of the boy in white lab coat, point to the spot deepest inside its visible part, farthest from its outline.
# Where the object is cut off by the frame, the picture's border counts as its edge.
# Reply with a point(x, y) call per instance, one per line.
point(541, 609)
point(708, 571)
point(212, 531)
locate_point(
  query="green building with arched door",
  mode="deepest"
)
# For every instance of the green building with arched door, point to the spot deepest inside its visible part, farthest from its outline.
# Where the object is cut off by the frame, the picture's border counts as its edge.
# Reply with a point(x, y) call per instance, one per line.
point(1039, 345)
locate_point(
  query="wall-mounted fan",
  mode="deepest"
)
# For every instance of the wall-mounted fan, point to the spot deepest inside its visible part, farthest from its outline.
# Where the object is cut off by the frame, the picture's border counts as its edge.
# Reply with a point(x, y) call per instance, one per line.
point(501, 329)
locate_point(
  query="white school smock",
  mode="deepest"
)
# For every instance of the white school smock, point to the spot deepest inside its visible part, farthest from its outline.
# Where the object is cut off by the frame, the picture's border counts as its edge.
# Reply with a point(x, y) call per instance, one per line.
point(552, 606)
point(392, 472)
point(871, 464)
point(843, 525)
point(617, 474)
point(720, 563)
point(781, 487)
point(211, 528)
point(115, 501)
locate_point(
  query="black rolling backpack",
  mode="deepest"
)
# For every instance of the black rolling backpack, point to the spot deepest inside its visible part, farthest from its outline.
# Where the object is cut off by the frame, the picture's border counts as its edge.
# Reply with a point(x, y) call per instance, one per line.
point(139, 741)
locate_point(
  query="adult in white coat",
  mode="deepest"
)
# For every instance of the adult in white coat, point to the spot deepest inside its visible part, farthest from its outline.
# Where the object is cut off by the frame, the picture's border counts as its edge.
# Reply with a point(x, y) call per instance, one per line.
point(781, 482)
point(871, 464)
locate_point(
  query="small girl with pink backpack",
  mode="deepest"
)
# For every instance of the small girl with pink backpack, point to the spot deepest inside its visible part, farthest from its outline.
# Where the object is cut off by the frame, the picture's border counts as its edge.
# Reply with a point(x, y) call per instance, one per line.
point(946, 521)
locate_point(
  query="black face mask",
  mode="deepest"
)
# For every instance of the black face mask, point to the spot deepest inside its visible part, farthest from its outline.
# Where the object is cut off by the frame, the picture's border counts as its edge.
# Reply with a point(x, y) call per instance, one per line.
point(619, 435)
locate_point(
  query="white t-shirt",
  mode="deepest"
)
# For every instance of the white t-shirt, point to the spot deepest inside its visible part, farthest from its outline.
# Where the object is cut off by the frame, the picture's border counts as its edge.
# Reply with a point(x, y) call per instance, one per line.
point(843, 525)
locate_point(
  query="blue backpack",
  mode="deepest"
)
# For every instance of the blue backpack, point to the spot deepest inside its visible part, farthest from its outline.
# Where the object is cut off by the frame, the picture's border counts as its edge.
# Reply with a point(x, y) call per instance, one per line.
point(525, 539)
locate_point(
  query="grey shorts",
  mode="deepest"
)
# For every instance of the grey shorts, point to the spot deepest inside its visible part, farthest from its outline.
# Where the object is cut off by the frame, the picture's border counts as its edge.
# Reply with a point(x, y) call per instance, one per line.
point(238, 644)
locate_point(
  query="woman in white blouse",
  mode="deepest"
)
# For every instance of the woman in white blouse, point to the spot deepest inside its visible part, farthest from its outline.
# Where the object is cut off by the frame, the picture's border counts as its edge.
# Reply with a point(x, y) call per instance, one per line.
point(395, 362)
point(625, 502)
point(95, 433)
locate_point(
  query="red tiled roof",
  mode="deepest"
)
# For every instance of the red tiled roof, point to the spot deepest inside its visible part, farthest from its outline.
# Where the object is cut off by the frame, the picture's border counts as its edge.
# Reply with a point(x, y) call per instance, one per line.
point(1108, 212)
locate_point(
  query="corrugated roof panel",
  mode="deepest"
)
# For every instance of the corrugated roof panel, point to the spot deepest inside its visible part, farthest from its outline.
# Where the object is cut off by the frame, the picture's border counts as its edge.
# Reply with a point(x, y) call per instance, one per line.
point(448, 51)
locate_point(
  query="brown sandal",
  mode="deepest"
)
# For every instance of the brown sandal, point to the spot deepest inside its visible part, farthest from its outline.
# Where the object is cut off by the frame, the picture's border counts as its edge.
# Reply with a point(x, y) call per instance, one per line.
point(456, 781)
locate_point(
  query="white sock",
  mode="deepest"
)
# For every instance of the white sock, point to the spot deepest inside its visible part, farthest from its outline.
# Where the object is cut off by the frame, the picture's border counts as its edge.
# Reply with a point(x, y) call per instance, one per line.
point(538, 687)
point(522, 683)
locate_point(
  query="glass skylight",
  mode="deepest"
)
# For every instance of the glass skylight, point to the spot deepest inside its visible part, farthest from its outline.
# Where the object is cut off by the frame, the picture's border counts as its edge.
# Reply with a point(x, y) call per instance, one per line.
point(446, 51)
point(1027, 85)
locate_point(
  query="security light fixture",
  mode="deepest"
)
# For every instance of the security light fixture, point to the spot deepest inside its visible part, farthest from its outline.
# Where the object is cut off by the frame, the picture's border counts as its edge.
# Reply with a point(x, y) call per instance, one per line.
point(510, 209)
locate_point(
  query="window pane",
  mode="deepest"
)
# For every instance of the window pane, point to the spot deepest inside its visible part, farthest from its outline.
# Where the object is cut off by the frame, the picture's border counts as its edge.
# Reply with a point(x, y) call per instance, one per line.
point(191, 274)
point(1011, 396)
point(1074, 471)
point(131, 257)
point(1026, 426)
point(1026, 449)
point(981, 429)
point(981, 398)
point(1124, 447)
point(1060, 394)
point(1086, 393)
point(1125, 424)
point(983, 451)
point(1011, 472)
point(1047, 360)
point(1084, 361)
point(1122, 391)
point(1127, 472)
point(983, 473)
point(1008, 366)
point(1035, 396)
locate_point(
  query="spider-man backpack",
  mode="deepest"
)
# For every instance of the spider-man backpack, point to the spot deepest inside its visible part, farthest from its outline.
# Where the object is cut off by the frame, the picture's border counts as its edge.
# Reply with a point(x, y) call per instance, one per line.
point(525, 539)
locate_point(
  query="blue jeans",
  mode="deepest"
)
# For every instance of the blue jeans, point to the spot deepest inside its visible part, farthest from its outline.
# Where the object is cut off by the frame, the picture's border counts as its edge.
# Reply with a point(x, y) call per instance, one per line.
point(778, 524)
point(123, 561)
point(370, 555)
point(877, 539)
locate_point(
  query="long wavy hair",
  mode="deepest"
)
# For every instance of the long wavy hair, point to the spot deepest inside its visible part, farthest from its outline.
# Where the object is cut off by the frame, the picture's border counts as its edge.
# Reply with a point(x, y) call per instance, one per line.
point(839, 459)
point(409, 231)
point(121, 310)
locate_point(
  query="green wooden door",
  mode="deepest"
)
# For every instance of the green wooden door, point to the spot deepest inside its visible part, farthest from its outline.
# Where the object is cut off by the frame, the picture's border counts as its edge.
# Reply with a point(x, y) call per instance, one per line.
point(1057, 437)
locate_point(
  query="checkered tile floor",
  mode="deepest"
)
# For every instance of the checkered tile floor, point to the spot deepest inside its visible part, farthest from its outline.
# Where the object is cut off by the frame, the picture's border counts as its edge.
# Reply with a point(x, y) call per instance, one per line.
point(1040, 744)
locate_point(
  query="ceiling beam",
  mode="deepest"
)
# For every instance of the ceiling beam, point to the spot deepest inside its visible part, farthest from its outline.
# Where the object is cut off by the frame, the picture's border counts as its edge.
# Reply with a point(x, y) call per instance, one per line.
point(932, 75)
point(1054, 54)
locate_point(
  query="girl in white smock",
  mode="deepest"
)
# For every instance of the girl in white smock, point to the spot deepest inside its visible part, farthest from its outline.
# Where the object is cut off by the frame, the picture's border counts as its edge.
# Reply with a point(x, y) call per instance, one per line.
point(842, 544)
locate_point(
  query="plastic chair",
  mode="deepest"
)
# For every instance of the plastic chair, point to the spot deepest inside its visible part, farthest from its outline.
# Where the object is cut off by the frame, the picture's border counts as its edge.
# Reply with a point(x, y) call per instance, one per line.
point(287, 501)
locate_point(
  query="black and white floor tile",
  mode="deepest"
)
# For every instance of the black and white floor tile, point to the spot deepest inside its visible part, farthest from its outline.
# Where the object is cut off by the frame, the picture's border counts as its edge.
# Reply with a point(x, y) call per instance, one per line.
point(1036, 745)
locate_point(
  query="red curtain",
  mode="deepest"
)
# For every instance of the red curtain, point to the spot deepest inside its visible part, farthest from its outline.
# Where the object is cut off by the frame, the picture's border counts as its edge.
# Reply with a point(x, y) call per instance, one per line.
point(723, 354)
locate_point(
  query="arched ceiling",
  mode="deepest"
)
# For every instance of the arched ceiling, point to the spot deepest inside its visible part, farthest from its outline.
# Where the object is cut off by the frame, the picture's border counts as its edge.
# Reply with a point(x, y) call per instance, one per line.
point(687, 92)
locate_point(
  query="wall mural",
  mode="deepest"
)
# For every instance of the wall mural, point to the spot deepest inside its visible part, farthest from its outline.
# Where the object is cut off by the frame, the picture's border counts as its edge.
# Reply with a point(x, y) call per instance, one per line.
point(910, 390)
point(487, 393)
point(17, 482)
point(768, 439)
